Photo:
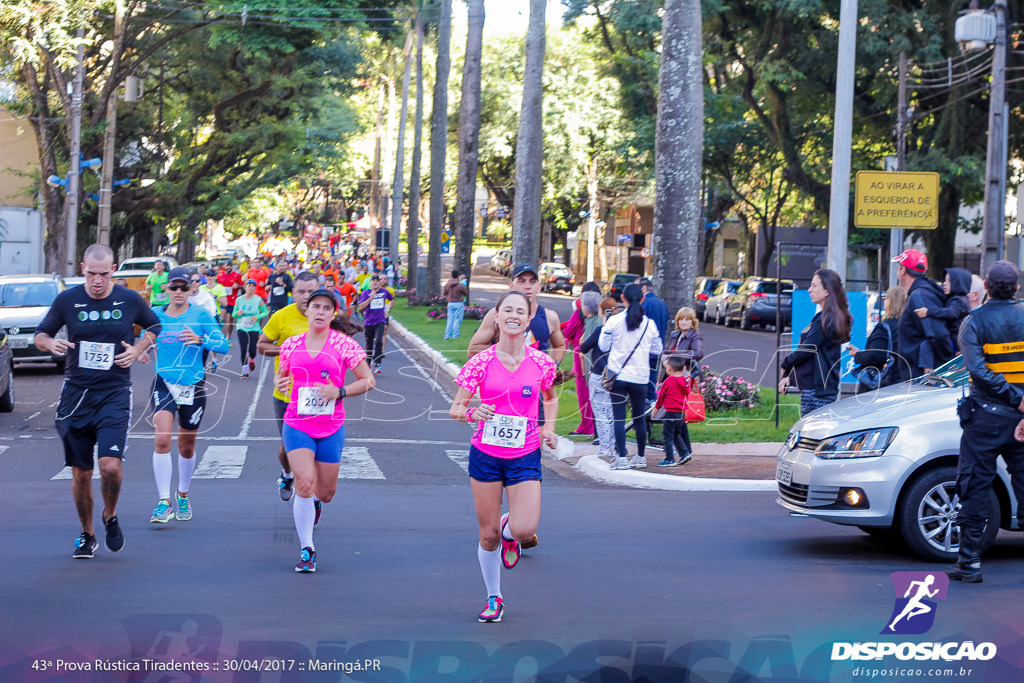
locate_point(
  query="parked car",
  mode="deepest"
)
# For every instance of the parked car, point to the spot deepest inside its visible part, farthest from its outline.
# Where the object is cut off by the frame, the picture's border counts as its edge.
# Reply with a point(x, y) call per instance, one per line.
point(886, 461)
point(714, 307)
point(70, 282)
point(555, 276)
point(754, 303)
point(6, 373)
point(705, 287)
point(24, 301)
point(618, 282)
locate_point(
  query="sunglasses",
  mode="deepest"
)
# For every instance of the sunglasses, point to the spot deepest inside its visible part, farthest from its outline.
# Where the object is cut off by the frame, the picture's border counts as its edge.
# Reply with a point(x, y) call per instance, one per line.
point(197, 282)
point(177, 288)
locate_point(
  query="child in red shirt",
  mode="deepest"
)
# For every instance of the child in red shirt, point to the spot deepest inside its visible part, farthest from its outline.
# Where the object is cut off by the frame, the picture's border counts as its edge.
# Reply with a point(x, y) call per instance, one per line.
point(672, 396)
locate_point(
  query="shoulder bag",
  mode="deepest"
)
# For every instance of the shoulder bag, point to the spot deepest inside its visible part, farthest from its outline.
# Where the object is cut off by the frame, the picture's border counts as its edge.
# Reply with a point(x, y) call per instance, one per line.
point(870, 377)
point(694, 404)
point(608, 377)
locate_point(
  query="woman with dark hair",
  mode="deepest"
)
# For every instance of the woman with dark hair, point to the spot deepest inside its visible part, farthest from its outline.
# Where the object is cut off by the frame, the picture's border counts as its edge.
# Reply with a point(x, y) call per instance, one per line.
point(815, 364)
point(630, 339)
point(504, 453)
point(573, 331)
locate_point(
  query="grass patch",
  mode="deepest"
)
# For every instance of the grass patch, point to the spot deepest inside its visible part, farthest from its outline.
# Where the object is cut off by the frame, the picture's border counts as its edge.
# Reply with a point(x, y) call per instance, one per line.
point(728, 426)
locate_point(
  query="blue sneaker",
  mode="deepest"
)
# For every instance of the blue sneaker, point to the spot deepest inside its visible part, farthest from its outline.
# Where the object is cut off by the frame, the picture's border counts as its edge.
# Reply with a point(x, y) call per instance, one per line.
point(85, 547)
point(184, 508)
point(162, 513)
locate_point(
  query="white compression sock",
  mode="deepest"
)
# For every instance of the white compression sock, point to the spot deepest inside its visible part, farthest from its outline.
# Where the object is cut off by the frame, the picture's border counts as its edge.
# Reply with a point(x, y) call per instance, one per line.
point(162, 468)
point(186, 466)
point(304, 513)
point(490, 567)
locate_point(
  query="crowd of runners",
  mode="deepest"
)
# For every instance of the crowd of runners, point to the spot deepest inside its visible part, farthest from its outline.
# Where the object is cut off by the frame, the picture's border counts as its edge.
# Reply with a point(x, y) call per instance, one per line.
point(306, 322)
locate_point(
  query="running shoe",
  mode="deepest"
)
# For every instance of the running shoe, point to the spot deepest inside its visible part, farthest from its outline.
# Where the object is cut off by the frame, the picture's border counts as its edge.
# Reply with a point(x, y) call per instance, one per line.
point(637, 462)
point(252, 364)
point(245, 373)
point(213, 368)
point(530, 543)
point(85, 547)
point(162, 513)
point(378, 369)
point(667, 463)
point(686, 458)
point(509, 549)
point(620, 464)
point(287, 487)
point(307, 561)
point(493, 611)
point(316, 506)
point(184, 508)
point(115, 539)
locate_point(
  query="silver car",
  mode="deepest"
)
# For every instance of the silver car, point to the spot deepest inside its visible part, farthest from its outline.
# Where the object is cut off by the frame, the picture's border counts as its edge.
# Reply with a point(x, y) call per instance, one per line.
point(885, 461)
point(24, 301)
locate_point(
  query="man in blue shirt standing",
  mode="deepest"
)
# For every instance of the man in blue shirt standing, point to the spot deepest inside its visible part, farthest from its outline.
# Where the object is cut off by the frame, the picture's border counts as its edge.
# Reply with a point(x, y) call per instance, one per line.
point(657, 311)
point(180, 389)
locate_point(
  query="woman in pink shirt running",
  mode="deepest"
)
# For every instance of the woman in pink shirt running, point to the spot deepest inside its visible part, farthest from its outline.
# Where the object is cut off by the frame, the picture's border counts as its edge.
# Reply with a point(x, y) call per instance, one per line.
point(504, 452)
point(312, 368)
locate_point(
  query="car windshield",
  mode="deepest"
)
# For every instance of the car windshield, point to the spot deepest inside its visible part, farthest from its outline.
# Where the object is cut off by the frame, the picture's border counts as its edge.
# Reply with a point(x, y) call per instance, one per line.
point(27, 294)
point(559, 272)
point(769, 286)
point(950, 374)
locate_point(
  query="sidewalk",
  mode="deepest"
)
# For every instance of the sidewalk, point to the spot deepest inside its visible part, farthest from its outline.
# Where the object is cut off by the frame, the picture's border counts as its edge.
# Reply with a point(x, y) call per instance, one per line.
point(714, 467)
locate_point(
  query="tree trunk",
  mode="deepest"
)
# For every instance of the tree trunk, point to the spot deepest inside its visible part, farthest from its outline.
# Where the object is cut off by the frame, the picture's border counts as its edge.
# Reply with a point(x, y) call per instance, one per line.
point(529, 146)
point(678, 156)
point(398, 189)
point(469, 141)
point(374, 207)
point(594, 215)
point(389, 134)
point(438, 144)
point(413, 239)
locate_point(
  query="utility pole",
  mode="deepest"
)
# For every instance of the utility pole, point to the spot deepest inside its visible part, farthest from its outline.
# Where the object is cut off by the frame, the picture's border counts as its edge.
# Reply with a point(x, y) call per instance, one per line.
point(110, 134)
point(995, 164)
point(896, 234)
point(842, 140)
point(75, 154)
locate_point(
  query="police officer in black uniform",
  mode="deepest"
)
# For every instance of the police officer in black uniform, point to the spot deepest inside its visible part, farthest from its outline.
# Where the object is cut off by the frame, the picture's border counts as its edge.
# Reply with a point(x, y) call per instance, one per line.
point(992, 343)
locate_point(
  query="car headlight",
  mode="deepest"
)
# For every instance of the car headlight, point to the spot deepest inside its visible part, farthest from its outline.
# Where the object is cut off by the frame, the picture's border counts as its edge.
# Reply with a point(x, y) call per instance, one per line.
point(867, 444)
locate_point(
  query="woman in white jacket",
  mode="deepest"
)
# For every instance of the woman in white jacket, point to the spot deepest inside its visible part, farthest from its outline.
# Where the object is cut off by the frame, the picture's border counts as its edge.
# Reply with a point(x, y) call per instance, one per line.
point(630, 339)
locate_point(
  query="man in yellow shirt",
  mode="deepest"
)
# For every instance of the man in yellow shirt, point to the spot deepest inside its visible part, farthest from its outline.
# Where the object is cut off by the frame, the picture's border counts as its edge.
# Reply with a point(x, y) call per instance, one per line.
point(288, 322)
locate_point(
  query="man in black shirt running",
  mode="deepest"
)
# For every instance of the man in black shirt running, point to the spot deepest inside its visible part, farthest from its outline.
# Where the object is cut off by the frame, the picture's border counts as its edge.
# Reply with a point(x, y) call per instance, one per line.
point(96, 398)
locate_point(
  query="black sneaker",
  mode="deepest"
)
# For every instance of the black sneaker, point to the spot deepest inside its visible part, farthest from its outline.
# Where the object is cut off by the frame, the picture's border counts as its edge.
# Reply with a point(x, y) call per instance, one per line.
point(85, 547)
point(115, 539)
point(968, 572)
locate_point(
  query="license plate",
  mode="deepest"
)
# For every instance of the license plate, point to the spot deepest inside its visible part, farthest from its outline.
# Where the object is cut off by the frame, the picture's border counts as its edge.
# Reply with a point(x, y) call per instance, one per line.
point(784, 473)
point(19, 342)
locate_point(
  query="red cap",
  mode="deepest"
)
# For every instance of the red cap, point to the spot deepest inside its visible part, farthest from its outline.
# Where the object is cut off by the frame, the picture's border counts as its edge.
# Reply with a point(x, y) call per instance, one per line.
point(913, 260)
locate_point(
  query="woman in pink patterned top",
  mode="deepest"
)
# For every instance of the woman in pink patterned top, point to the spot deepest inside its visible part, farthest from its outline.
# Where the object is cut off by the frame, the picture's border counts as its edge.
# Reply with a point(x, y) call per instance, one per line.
point(313, 367)
point(504, 452)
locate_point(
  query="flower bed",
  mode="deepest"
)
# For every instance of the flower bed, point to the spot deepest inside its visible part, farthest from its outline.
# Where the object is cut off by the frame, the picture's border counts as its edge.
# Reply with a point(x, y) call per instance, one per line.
point(722, 392)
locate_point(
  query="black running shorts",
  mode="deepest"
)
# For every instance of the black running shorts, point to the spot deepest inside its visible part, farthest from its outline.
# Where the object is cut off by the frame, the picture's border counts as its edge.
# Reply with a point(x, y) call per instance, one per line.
point(93, 417)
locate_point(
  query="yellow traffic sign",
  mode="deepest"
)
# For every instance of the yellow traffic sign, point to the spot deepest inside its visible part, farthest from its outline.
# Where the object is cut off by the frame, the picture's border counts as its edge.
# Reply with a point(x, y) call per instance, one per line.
point(896, 200)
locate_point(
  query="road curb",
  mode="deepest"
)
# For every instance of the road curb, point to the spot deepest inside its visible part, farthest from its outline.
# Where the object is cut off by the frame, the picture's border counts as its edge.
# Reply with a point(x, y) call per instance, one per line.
point(596, 468)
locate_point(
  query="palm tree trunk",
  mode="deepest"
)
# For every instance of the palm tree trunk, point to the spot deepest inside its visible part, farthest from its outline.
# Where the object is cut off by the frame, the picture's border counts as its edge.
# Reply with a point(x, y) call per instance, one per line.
point(469, 141)
point(438, 144)
point(526, 215)
point(413, 239)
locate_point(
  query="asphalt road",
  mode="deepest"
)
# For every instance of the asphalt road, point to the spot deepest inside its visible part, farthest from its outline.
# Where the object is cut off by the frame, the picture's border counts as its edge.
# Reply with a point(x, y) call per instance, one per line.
point(634, 584)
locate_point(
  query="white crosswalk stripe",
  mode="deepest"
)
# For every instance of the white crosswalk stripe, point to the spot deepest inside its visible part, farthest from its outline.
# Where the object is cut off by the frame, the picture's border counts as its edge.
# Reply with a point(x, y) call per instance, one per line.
point(460, 458)
point(356, 463)
point(221, 462)
point(3, 448)
point(227, 462)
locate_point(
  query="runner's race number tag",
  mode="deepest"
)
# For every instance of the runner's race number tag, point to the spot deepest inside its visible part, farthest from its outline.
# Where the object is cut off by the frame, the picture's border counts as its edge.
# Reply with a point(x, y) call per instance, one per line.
point(248, 321)
point(377, 303)
point(184, 394)
point(505, 431)
point(95, 356)
point(312, 403)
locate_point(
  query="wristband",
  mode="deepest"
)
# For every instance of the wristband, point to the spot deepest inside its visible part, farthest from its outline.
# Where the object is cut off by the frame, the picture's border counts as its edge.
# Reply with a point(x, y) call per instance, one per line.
point(342, 393)
point(469, 414)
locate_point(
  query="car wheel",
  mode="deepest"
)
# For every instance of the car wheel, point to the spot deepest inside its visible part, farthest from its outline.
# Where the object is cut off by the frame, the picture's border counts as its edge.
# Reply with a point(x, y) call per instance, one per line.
point(927, 516)
point(718, 317)
point(7, 400)
point(745, 322)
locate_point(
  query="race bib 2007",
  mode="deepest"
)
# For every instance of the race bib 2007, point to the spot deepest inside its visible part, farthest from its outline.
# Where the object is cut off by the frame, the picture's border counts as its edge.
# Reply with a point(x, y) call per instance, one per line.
point(505, 431)
point(377, 303)
point(312, 403)
point(95, 356)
